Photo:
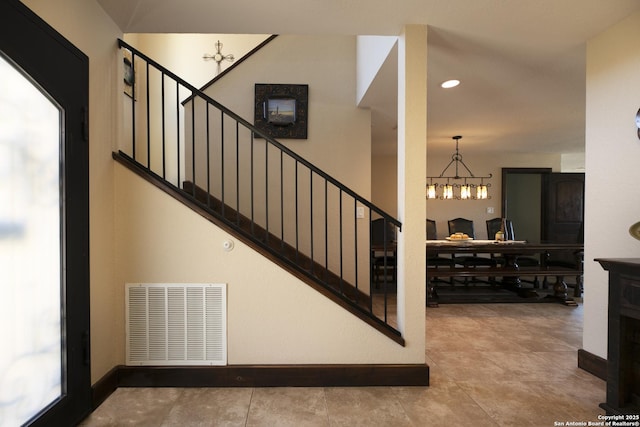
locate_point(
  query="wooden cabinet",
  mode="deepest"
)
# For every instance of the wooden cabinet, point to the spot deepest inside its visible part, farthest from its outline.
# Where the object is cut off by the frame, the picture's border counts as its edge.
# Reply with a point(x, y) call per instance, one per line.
point(623, 360)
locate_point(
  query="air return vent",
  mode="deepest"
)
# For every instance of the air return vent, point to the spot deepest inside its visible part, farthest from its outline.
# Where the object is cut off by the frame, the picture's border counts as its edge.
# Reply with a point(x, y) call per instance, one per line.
point(176, 324)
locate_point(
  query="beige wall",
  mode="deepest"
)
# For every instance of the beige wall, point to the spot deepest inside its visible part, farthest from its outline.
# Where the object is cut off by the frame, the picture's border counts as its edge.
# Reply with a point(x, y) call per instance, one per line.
point(128, 244)
point(612, 99)
point(182, 53)
point(273, 318)
point(338, 132)
point(612, 153)
point(384, 182)
point(305, 326)
point(85, 24)
point(338, 138)
point(384, 192)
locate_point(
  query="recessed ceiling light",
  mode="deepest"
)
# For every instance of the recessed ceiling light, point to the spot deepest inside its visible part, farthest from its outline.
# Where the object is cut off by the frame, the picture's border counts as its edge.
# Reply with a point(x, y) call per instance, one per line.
point(450, 83)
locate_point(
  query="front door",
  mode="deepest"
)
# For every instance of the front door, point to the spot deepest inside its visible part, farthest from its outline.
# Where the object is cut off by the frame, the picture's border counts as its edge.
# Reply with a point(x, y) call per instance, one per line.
point(44, 233)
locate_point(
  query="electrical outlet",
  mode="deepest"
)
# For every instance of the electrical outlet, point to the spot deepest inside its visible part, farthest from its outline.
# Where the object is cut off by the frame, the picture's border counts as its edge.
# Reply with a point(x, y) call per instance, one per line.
point(360, 212)
point(490, 210)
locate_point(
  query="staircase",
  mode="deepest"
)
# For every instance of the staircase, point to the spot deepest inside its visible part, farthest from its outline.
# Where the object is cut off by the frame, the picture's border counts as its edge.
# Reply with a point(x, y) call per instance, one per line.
point(255, 188)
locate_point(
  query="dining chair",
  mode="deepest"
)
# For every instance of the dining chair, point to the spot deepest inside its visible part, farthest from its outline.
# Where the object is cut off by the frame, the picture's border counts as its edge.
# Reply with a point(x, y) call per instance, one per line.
point(463, 225)
point(435, 261)
point(573, 260)
point(432, 233)
point(495, 224)
point(383, 262)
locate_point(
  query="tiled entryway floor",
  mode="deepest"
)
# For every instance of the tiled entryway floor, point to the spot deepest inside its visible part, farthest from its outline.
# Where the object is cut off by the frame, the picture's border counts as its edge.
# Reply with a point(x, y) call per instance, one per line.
point(491, 365)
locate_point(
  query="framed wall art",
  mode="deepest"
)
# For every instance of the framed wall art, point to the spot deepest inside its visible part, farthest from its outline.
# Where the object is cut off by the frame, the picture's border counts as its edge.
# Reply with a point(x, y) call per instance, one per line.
point(281, 110)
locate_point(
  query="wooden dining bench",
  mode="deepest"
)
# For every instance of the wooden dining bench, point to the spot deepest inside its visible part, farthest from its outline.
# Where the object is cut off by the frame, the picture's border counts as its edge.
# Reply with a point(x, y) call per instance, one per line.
point(510, 279)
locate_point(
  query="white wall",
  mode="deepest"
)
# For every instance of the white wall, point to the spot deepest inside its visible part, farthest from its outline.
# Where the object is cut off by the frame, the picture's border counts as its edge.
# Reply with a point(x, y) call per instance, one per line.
point(612, 153)
point(371, 53)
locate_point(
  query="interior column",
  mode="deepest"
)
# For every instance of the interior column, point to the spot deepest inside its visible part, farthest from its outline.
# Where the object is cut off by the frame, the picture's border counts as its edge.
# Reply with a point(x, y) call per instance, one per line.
point(412, 159)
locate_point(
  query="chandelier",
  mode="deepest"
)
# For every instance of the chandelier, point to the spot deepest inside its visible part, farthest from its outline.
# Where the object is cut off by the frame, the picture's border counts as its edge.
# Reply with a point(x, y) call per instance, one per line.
point(462, 187)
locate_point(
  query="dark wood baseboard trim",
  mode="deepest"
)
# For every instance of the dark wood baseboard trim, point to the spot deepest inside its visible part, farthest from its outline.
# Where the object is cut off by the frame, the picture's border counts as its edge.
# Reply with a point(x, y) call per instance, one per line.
point(103, 388)
point(275, 376)
point(593, 364)
point(260, 376)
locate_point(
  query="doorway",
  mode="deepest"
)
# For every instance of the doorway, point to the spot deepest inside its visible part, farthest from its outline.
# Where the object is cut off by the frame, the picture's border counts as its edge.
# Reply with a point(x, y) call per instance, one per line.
point(44, 224)
point(522, 201)
point(544, 206)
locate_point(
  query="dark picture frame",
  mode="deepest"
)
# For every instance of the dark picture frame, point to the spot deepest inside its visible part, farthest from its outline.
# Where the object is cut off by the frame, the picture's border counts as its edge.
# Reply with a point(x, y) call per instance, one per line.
point(281, 110)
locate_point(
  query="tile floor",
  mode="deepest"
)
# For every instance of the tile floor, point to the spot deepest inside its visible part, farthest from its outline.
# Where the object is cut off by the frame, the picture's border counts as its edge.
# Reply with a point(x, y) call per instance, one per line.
point(491, 365)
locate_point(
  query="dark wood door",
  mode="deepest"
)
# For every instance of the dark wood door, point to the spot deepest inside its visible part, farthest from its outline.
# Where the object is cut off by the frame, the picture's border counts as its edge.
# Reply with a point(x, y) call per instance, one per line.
point(48, 380)
point(563, 208)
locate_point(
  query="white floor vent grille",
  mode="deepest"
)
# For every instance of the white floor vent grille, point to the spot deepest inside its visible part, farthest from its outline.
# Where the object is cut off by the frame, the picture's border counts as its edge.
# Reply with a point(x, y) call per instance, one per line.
point(176, 324)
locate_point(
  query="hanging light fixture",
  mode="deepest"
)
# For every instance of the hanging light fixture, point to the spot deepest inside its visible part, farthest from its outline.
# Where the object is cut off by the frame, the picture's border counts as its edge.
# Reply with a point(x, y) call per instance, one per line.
point(431, 191)
point(466, 189)
point(482, 192)
point(447, 191)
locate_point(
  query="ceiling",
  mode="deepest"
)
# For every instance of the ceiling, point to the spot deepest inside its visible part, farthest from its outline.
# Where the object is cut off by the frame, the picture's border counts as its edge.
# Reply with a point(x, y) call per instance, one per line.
point(521, 63)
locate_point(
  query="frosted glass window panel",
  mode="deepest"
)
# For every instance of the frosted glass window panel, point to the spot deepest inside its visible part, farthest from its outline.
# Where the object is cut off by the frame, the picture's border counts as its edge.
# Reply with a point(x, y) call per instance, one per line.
point(31, 367)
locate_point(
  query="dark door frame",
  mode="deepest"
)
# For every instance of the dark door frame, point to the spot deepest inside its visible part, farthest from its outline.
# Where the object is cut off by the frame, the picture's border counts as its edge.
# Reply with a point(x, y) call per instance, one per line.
point(62, 70)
